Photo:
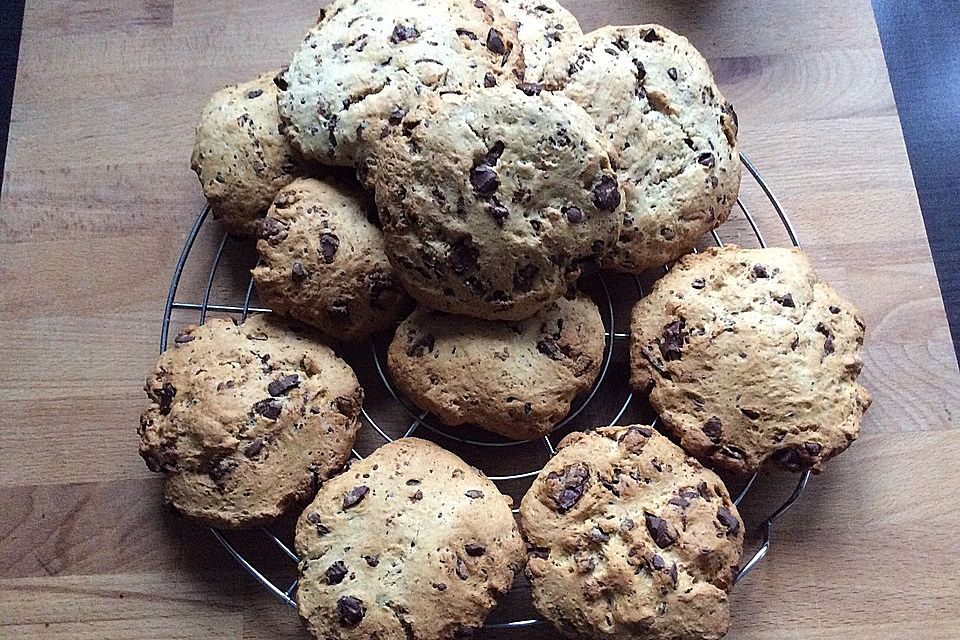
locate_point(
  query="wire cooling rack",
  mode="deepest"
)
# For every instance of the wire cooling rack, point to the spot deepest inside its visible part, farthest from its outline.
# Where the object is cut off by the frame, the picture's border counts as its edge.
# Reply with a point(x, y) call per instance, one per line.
point(225, 288)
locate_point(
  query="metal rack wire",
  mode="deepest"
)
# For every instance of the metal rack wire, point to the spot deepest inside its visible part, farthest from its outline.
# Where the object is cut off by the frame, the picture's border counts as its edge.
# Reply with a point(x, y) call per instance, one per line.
point(242, 305)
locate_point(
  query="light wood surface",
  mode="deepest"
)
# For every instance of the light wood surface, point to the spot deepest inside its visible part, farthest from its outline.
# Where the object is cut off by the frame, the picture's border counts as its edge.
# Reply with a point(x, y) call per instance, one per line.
point(98, 198)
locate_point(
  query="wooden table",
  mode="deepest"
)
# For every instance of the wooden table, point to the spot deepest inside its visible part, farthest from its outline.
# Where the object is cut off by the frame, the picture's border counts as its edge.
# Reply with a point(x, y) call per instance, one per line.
point(98, 197)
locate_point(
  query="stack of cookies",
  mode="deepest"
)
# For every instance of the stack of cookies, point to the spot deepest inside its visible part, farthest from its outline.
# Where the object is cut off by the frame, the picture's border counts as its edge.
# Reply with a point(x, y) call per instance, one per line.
point(447, 170)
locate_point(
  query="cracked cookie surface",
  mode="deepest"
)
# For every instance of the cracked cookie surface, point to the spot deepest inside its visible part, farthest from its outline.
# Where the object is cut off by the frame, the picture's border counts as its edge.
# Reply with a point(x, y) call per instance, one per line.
point(629, 537)
point(673, 137)
point(240, 153)
point(323, 262)
point(410, 543)
point(516, 379)
point(546, 31)
point(367, 62)
point(494, 202)
point(246, 420)
point(752, 359)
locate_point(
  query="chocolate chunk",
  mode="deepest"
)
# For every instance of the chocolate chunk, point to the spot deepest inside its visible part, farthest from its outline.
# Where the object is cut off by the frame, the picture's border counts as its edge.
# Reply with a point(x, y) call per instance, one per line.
point(498, 211)
point(760, 271)
point(530, 88)
point(672, 73)
point(412, 482)
point(354, 496)
point(493, 153)
point(418, 496)
point(314, 518)
point(672, 572)
point(698, 283)
point(421, 346)
point(270, 230)
point(606, 196)
point(280, 80)
point(484, 179)
point(599, 536)
point(396, 116)
point(252, 449)
point(567, 487)
point(329, 244)
point(548, 347)
point(704, 490)
point(474, 549)
point(268, 408)
point(461, 569)
point(660, 530)
point(474, 494)
point(489, 80)
point(785, 300)
point(574, 214)
point(254, 93)
point(463, 255)
point(283, 384)
point(153, 463)
point(834, 310)
point(678, 501)
point(495, 42)
point(657, 563)
point(336, 572)
point(467, 33)
point(165, 395)
point(299, 273)
point(641, 71)
point(345, 406)
point(706, 159)
point(350, 610)
point(713, 428)
point(373, 560)
point(828, 335)
point(652, 36)
point(440, 586)
point(627, 525)
point(220, 470)
point(403, 32)
point(812, 448)
point(787, 458)
point(753, 414)
point(672, 339)
point(729, 521)
point(184, 338)
point(524, 277)
point(795, 343)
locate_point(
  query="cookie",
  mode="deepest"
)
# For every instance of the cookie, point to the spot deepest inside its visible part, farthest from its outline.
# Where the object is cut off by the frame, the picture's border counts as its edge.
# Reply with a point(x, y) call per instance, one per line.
point(247, 420)
point(367, 62)
point(673, 137)
point(411, 543)
point(546, 31)
point(516, 379)
point(241, 155)
point(751, 358)
point(495, 201)
point(323, 262)
point(630, 538)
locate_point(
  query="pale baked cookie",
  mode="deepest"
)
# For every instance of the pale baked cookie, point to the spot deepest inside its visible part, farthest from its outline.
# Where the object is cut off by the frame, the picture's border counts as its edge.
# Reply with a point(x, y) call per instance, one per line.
point(494, 201)
point(516, 379)
point(751, 358)
point(673, 137)
point(247, 420)
point(323, 262)
point(629, 538)
point(241, 155)
point(367, 62)
point(411, 543)
point(546, 30)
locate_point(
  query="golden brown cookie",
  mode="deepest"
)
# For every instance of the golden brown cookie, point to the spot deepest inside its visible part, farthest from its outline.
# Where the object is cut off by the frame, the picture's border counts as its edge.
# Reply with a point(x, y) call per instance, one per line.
point(323, 262)
point(246, 420)
point(751, 359)
point(630, 538)
point(410, 543)
point(516, 379)
point(240, 153)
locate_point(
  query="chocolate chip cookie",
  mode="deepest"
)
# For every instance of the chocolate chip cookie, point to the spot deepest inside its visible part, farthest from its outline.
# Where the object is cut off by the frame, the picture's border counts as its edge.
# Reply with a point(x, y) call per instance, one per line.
point(241, 155)
point(246, 420)
point(323, 262)
point(516, 379)
point(630, 538)
point(751, 359)
point(367, 62)
point(493, 202)
point(546, 31)
point(411, 543)
point(673, 137)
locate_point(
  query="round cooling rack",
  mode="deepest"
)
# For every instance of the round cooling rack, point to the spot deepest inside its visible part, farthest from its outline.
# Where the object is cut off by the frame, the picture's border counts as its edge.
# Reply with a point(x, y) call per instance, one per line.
point(203, 286)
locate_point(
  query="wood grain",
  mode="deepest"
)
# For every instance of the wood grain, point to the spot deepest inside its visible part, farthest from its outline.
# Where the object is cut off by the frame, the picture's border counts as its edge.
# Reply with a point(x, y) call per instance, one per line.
point(98, 197)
